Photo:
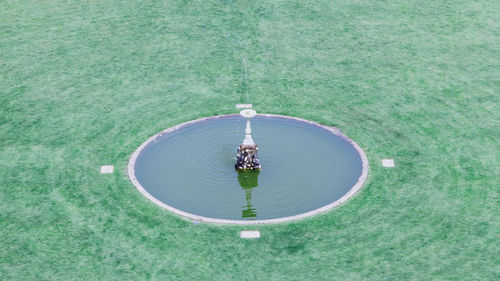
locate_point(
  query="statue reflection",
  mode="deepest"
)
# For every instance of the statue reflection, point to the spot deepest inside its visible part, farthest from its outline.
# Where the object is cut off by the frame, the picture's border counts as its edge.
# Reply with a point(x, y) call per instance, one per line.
point(248, 179)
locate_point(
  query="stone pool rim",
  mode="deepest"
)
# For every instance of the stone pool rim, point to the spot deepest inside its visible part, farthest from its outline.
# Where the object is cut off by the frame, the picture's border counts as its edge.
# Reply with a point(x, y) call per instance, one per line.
point(354, 189)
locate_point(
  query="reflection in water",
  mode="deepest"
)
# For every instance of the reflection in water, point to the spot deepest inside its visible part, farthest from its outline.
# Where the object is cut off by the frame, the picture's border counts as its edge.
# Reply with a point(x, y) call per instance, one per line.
point(248, 179)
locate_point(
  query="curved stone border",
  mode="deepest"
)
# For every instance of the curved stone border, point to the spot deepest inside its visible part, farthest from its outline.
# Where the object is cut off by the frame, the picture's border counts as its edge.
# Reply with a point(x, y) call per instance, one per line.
point(357, 186)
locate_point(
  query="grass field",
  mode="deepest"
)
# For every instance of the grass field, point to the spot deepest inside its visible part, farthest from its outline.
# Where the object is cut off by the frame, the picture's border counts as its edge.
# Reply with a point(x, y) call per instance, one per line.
point(84, 83)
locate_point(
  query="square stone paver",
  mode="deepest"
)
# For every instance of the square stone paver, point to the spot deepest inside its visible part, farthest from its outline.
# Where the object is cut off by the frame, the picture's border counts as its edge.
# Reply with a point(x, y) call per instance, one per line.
point(388, 163)
point(107, 169)
point(249, 234)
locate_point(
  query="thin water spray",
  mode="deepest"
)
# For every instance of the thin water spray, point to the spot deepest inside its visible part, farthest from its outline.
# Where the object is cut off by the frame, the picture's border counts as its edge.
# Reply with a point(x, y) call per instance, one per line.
point(244, 70)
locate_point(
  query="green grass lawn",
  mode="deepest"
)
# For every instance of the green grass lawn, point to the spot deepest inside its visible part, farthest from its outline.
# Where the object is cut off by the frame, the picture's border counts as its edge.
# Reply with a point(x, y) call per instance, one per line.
point(84, 83)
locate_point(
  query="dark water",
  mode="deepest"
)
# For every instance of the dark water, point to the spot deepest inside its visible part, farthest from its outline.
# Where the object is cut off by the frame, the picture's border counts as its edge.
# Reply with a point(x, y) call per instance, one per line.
point(304, 167)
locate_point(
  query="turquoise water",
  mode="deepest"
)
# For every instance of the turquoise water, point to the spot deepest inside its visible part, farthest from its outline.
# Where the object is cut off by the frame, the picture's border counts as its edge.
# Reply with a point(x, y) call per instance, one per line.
point(304, 167)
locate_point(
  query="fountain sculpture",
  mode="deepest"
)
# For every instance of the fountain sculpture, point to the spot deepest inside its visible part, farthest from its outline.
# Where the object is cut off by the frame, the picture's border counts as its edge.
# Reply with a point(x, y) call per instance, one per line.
point(248, 152)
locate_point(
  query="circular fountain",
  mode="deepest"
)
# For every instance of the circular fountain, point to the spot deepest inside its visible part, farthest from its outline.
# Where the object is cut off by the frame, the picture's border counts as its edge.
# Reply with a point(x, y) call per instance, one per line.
point(189, 169)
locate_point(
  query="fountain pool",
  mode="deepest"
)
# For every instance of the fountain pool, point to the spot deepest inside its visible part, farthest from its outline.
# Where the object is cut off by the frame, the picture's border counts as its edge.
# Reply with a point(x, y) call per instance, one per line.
point(307, 168)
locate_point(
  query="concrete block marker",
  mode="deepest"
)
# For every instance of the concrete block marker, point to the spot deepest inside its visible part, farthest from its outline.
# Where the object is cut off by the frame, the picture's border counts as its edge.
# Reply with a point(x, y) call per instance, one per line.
point(249, 234)
point(107, 169)
point(388, 163)
point(244, 105)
